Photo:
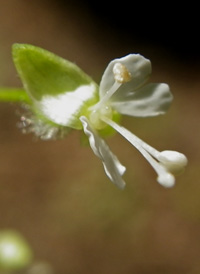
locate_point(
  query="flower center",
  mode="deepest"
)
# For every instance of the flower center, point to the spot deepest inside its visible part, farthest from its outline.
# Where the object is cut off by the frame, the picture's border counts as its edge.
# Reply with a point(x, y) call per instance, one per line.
point(96, 116)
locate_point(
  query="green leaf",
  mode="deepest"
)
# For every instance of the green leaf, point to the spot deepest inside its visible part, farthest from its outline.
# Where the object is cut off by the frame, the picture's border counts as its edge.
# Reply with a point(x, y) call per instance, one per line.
point(13, 95)
point(60, 90)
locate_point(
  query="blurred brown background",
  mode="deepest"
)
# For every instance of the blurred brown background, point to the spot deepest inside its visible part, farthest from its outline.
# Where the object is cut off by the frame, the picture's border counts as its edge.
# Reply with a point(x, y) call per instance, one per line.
point(56, 193)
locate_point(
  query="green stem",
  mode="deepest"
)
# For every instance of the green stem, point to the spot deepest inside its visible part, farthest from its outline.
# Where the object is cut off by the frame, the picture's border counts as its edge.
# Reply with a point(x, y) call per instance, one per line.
point(13, 95)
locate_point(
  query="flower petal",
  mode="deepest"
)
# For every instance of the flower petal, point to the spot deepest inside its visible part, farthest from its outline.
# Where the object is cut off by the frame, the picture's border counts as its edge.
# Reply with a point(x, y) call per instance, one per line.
point(150, 100)
point(113, 168)
point(138, 66)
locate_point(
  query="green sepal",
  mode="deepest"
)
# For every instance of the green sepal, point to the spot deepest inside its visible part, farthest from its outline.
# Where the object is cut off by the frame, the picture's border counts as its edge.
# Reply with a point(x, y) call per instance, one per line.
point(50, 80)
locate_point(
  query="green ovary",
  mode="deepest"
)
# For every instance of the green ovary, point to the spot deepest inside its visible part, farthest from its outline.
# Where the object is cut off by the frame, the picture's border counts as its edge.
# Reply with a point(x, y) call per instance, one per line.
point(97, 114)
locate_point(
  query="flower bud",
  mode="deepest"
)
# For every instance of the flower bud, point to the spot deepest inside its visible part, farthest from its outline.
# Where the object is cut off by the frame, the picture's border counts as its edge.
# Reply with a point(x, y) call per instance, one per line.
point(15, 253)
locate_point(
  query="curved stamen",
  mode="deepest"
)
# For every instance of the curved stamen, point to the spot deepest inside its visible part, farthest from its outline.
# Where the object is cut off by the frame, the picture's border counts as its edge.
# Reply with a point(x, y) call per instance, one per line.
point(121, 75)
point(107, 96)
point(164, 177)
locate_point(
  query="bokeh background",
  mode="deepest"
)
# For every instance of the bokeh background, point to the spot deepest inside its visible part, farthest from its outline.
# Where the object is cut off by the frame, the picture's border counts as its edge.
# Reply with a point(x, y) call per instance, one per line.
point(55, 193)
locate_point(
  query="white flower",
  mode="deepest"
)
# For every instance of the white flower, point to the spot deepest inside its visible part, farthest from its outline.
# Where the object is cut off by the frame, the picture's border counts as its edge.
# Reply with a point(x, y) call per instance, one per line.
point(62, 97)
point(123, 89)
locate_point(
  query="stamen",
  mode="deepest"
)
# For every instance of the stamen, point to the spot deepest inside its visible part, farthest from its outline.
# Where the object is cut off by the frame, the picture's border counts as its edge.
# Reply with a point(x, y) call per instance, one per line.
point(121, 76)
point(121, 73)
point(164, 177)
point(107, 96)
point(173, 160)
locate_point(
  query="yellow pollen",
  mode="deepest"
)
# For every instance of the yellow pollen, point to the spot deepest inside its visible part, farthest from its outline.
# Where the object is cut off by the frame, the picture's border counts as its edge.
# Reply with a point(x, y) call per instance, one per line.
point(121, 73)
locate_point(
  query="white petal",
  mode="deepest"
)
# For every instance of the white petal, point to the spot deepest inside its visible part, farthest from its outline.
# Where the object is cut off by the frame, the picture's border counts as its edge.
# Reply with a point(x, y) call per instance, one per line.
point(150, 100)
point(138, 66)
point(112, 166)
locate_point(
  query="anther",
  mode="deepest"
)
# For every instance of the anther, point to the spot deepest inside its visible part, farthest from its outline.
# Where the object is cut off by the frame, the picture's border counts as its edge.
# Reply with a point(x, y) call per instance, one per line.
point(121, 73)
point(174, 161)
